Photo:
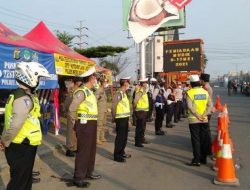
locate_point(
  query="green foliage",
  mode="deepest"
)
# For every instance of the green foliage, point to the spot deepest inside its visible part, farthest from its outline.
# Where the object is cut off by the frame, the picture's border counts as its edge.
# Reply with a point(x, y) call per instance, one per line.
point(110, 65)
point(101, 51)
point(65, 37)
point(116, 64)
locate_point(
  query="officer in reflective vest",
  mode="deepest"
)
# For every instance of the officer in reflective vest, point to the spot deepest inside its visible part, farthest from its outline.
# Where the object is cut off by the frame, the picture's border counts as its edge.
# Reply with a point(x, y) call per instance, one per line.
point(22, 131)
point(205, 84)
point(71, 144)
point(199, 106)
point(84, 109)
point(141, 107)
point(121, 114)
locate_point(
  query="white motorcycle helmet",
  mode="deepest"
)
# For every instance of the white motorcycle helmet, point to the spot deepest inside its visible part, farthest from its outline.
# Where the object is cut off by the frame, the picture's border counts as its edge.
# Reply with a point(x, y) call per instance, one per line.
point(30, 72)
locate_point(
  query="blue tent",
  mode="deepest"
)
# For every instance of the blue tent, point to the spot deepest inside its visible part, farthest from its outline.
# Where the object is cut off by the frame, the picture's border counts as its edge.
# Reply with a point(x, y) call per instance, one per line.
point(14, 49)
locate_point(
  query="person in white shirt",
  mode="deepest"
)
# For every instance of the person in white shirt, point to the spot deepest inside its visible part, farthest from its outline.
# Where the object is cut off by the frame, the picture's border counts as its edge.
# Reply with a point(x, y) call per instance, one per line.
point(170, 97)
point(178, 104)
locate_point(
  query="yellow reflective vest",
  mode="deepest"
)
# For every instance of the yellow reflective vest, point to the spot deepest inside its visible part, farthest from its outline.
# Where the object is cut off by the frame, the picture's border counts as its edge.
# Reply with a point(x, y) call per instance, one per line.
point(199, 97)
point(87, 110)
point(31, 128)
point(123, 107)
point(142, 104)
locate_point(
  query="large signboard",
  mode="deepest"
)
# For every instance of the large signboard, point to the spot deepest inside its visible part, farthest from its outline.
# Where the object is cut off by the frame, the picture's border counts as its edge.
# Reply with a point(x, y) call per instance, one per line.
point(70, 67)
point(185, 55)
point(11, 55)
point(144, 17)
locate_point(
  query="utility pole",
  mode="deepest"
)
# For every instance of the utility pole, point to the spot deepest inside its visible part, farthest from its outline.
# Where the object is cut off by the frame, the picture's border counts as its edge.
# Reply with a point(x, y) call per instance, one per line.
point(81, 35)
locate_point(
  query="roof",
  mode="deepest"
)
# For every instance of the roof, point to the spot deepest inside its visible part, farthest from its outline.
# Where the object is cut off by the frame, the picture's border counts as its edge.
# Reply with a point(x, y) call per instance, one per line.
point(42, 35)
point(7, 36)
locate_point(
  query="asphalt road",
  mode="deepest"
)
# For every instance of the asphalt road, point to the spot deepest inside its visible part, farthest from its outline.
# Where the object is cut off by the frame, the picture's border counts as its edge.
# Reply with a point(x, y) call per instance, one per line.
point(159, 165)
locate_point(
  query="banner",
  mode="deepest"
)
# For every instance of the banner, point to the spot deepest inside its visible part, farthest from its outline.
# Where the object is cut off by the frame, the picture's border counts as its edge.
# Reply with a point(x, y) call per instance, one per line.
point(70, 67)
point(10, 55)
point(185, 55)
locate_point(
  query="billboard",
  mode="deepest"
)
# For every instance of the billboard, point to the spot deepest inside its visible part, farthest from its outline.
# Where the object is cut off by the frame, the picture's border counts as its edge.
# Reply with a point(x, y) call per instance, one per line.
point(143, 17)
point(185, 55)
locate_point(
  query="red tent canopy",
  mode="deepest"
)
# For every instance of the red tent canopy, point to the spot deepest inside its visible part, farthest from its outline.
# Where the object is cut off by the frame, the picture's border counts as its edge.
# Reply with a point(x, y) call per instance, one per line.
point(42, 35)
point(7, 36)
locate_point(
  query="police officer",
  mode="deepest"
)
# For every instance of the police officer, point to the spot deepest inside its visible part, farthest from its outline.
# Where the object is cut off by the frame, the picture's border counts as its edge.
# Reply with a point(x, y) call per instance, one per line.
point(205, 84)
point(22, 131)
point(170, 98)
point(179, 99)
point(199, 106)
point(84, 108)
point(159, 109)
point(150, 93)
point(102, 110)
point(141, 107)
point(121, 114)
point(70, 133)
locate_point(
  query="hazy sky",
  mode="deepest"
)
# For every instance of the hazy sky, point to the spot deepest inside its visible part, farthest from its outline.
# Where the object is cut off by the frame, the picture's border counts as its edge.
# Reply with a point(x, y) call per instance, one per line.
point(222, 24)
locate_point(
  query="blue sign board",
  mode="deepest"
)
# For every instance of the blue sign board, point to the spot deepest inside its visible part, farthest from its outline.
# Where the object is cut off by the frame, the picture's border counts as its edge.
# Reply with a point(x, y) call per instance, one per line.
point(10, 55)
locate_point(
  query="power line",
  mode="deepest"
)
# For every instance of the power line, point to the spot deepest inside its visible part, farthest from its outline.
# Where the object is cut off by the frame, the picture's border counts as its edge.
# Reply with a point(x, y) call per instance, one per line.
point(29, 17)
point(81, 35)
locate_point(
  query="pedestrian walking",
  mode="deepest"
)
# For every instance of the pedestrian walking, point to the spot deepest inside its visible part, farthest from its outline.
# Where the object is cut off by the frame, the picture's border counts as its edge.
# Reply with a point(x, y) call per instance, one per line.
point(159, 109)
point(22, 131)
point(102, 110)
point(229, 87)
point(84, 109)
point(141, 107)
point(199, 106)
point(71, 142)
point(120, 115)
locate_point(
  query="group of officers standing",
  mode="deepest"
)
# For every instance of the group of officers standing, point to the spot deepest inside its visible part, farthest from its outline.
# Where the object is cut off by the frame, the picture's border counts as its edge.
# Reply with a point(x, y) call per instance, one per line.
point(22, 132)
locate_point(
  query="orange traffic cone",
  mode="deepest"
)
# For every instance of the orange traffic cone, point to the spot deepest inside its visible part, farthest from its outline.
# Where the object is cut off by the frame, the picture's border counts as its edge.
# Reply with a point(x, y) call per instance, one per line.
point(225, 112)
point(219, 141)
point(226, 170)
point(218, 105)
point(218, 155)
point(216, 140)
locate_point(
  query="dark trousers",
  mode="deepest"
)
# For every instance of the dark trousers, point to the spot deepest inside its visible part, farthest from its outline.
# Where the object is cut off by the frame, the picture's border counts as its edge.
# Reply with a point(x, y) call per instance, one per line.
point(141, 117)
point(199, 133)
point(184, 110)
point(209, 137)
point(21, 158)
point(133, 119)
point(151, 107)
point(177, 111)
point(159, 118)
point(121, 136)
point(170, 112)
point(86, 149)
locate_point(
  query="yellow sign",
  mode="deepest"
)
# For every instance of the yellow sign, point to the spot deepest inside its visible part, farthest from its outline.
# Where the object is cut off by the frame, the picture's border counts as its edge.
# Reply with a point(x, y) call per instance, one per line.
point(70, 67)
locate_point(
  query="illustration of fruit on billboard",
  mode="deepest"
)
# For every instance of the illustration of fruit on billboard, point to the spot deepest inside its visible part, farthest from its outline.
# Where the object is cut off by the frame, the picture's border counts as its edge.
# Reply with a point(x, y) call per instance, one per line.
point(143, 17)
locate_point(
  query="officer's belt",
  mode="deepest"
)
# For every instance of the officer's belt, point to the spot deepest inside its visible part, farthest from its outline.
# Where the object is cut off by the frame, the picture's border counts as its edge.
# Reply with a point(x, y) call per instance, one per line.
point(81, 115)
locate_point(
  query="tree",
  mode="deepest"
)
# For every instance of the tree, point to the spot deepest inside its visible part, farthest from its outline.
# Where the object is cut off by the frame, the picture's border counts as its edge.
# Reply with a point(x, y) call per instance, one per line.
point(116, 64)
point(101, 51)
point(65, 37)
